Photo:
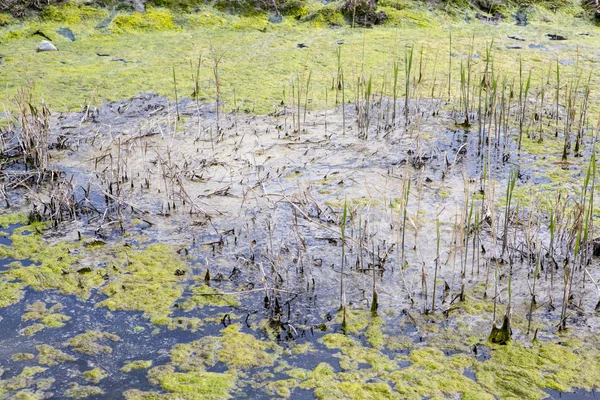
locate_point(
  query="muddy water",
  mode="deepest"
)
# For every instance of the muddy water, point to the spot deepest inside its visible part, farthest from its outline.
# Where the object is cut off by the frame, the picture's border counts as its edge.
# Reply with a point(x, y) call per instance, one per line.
point(259, 203)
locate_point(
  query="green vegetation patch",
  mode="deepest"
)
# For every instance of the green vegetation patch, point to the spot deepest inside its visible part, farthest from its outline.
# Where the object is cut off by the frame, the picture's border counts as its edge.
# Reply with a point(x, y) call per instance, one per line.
point(154, 20)
point(519, 371)
point(94, 375)
point(353, 353)
point(71, 13)
point(432, 373)
point(12, 219)
point(56, 263)
point(135, 365)
point(48, 317)
point(26, 379)
point(22, 357)
point(89, 342)
point(193, 384)
point(147, 282)
point(76, 391)
point(51, 356)
point(327, 384)
point(10, 293)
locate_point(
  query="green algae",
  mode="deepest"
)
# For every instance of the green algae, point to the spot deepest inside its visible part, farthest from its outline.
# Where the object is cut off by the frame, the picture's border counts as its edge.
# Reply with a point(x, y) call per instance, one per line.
point(22, 357)
point(237, 350)
point(134, 394)
point(48, 317)
point(242, 350)
point(282, 387)
point(193, 385)
point(327, 384)
point(94, 375)
point(431, 373)
point(77, 391)
point(519, 371)
point(32, 329)
point(148, 282)
point(353, 352)
point(54, 263)
point(196, 355)
point(186, 323)
point(27, 378)
point(89, 342)
point(51, 356)
point(13, 219)
point(10, 293)
point(135, 365)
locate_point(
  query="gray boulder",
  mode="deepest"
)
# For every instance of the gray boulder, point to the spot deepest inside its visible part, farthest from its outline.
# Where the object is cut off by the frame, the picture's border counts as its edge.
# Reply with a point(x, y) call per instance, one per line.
point(46, 46)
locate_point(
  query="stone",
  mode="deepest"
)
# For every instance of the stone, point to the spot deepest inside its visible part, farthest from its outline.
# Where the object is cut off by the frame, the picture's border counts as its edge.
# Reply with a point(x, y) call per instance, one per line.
point(46, 46)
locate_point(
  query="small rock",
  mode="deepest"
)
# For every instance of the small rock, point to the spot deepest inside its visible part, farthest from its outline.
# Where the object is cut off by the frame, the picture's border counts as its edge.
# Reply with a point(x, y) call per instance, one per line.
point(66, 32)
point(276, 19)
point(42, 34)
point(553, 36)
point(521, 18)
point(46, 46)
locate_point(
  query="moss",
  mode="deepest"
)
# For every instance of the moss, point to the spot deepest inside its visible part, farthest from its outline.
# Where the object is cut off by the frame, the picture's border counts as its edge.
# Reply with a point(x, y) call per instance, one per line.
point(408, 17)
point(22, 357)
point(254, 22)
point(135, 365)
point(72, 13)
point(193, 385)
point(94, 375)
point(154, 20)
point(51, 356)
point(204, 19)
point(148, 283)
point(76, 391)
point(326, 16)
point(5, 19)
point(10, 293)
point(296, 8)
point(88, 342)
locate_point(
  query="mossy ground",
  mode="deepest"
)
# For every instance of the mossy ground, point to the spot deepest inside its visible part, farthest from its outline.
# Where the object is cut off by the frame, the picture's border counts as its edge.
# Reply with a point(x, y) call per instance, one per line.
point(152, 44)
